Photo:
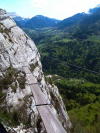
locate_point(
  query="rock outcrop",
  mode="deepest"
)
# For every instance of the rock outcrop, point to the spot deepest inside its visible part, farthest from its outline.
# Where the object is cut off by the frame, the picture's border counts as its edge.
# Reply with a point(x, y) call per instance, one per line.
point(22, 83)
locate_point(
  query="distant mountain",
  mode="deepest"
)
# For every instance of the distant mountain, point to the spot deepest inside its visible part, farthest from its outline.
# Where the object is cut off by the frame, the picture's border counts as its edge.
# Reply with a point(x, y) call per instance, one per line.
point(21, 21)
point(82, 25)
point(90, 25)
point(40, 21)
point(95, 10)
point(71, 21)
point(77, 21)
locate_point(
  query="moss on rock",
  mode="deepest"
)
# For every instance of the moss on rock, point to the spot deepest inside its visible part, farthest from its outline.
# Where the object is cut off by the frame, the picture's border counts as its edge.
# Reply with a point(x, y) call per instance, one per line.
point(33, 66)
point(11, 75)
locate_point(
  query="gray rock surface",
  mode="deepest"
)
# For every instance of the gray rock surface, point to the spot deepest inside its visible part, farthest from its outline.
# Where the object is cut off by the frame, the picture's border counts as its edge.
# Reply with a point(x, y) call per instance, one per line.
point(20, 69)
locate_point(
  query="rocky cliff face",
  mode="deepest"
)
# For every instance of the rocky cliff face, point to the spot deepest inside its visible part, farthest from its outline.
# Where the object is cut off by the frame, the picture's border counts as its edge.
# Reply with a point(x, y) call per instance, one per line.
point(22, 84)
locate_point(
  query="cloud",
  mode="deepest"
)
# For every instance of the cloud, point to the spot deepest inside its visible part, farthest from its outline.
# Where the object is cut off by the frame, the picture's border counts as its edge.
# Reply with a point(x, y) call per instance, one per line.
point(52, 8)
point(39, 3)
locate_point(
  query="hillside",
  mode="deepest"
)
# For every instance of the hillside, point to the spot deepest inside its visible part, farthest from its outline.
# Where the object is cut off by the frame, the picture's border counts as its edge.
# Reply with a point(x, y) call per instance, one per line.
point(80, 46)
point(71, 21)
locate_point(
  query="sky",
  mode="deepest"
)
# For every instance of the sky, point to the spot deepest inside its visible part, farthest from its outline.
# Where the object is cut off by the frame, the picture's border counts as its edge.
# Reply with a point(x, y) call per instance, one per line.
point(58, 9)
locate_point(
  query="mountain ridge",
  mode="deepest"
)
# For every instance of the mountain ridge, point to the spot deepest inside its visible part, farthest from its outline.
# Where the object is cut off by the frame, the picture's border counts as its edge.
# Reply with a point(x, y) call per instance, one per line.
point(38, 21)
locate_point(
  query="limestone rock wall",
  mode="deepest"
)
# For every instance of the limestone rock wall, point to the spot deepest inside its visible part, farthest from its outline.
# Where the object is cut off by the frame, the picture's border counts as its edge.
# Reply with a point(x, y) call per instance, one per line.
point(17, 104)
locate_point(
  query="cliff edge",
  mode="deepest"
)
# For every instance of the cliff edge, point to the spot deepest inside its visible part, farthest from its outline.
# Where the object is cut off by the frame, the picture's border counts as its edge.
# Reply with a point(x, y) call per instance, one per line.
point(28, 103)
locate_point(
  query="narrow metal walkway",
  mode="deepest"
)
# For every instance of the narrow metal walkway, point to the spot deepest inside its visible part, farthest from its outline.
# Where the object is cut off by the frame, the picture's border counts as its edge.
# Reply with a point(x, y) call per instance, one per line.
point(51, 122)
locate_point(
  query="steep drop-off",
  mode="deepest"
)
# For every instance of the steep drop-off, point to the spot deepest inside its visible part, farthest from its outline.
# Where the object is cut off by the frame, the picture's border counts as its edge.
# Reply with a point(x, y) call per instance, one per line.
point(25, 96)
